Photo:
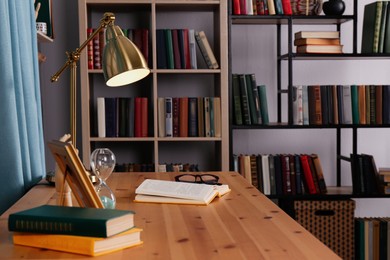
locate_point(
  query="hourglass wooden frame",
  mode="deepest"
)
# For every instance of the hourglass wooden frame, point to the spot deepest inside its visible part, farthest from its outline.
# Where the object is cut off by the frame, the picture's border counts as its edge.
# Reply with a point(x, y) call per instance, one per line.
point(75, 174)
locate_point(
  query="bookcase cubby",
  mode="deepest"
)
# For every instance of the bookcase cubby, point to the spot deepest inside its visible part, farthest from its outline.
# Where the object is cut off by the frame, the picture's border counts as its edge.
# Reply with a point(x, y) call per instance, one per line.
point(277, 33)
point(209, 16)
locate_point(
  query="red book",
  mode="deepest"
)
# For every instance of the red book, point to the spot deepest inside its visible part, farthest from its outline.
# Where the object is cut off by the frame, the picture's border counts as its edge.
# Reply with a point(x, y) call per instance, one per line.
point(287, 10)
point(96, 53)
point(176, 49)
point(144, 117)
point(175, 116)
point(311, 188)
point(183, 117)
point(243, 6)
point(90, 49)
point(186, 44)
point(137, 117)
point(236, 7)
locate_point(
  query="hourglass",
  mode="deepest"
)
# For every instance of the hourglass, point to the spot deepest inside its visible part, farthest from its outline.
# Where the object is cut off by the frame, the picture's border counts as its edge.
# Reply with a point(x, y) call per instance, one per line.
point(102, 163)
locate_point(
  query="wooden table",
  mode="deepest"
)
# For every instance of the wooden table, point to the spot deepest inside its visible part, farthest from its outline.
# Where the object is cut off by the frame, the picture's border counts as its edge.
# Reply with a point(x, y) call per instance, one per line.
point(243, 224)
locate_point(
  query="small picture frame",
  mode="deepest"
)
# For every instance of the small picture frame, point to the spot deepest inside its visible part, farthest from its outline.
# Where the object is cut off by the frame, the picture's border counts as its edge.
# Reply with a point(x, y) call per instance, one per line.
point(75, 174)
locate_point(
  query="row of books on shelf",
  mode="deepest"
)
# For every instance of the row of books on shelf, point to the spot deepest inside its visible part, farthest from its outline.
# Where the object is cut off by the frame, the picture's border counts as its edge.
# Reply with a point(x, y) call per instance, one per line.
point(365, 175)
point(282, 174)
point(249, 100)
point(149, 167)
point(372, 239)
point(139, 36)
point(376, 28)
point(189, 116)
point(176, 49)
point(325, 42)
point(341, 104)
point(276, 7)
point(70, 229)
point(122, 116)
point(262, 7)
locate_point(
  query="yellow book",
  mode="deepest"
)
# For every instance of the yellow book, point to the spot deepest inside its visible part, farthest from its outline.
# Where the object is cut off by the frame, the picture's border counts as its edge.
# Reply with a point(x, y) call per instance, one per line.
point(92, 246)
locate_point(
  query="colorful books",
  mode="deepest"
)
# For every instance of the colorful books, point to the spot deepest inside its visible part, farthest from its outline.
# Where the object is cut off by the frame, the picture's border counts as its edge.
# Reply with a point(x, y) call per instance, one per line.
point(93, 222)
point(92, 246)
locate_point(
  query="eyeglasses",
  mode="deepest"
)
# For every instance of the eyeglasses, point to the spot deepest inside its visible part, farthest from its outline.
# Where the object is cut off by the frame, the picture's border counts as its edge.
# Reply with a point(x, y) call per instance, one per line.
point(210, 179)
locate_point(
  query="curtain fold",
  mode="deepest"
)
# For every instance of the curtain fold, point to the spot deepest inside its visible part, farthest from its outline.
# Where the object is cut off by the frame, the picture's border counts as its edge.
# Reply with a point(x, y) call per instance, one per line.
point(22, 162)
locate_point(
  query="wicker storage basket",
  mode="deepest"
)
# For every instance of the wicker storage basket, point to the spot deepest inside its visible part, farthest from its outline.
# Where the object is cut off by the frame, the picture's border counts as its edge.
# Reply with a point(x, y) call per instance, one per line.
point(332, 222)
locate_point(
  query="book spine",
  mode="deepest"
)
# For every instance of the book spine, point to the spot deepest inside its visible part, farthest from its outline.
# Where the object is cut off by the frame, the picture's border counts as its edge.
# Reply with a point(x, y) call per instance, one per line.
point(175, 116)
point(206, 103)
point(176, 49)
point(192, 43)
point(137, 117)
point(101, 117)
point(236, 7)
point(192, 117)
point(161, 116)
point(183, 117)
point(201, 119)
point(377, 28)
point(169, 46)
point(90, 50)
point(236, 100)
point(251, 99)
point(263, 104)
point(287, 7)
point(244, 100)
point(161, 49)
point(217, 117)
point(168, 117)
point(144, 117)
point(111, 116)
point(96, 53)
point(206, 50)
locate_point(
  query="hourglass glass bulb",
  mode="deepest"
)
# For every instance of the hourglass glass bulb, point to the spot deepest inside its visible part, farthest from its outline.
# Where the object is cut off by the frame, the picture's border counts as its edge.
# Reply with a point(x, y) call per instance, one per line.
point(102, 163)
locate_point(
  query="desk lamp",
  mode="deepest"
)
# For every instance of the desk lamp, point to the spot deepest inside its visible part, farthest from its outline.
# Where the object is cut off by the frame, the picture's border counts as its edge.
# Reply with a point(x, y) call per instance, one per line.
point(122, 62)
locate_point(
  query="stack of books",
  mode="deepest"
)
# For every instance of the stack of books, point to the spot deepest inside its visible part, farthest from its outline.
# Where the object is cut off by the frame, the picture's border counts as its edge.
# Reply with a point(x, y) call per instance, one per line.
point(318, 42)
point(384, 174)
point(87, 231)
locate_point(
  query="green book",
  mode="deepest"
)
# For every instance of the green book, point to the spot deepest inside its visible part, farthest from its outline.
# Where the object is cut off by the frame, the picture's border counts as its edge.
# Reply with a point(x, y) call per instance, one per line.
point(371, 27)
point(92, 222)
point(263, 104)
point(244, 100)
point(355, 104)
point(169, 46)
point(251, 99)
point(236, 100)
point(382, 31)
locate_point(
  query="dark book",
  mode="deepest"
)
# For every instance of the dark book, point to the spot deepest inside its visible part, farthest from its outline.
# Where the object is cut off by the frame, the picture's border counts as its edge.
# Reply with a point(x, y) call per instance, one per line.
point(254, 174)
point(355, 104)
point(371, 27)
point(79, 221)
point(244, 100)
point(324, 105)
point(161, 49)
point(286, 174)
point(386, 44)
point(382, 31)
point(356, 174)
point(123, 116)
point(372, 89)
point(206, 50)
point(386, 104)
point(298, 175)
point(278, 7)
point(169, 49)
point(293, 179)
point(271, 165)
point(192, 117)
point(110, 106)
point(176, 49)
point(260, 182)
point(256, 98)
point(278, 174)
point(145, 44)
point(378, 104)
point(251, 99)
point(137, 116)
point(186, 48)
point(319, 173)
point(315, 113)
point(175, 116)
point(183, 117)
point(236, 100)
point(130, 120)
point(144, 117)
point(263, 104)
point(201, 129)
point(340, 100)
point(383, 238)
point(374, 183)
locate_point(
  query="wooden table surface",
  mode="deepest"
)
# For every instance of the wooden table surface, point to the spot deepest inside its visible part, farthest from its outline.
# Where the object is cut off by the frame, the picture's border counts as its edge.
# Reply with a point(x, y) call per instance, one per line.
point(243, 224)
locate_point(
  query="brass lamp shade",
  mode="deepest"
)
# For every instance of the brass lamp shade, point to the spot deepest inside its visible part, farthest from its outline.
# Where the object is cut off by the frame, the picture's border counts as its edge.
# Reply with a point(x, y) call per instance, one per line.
point(123, 62)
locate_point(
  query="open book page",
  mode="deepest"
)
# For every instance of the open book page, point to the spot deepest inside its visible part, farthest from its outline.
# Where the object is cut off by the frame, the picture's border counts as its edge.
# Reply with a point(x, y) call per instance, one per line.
point(222, 189)
point(161, 191)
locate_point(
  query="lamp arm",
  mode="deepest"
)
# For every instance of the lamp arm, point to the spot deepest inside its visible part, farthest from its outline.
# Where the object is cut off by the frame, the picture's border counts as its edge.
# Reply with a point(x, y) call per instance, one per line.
point(74, 56)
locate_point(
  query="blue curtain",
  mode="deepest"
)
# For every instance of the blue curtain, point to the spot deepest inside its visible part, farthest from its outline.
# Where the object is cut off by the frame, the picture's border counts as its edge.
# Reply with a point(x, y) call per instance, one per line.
point(21, 136)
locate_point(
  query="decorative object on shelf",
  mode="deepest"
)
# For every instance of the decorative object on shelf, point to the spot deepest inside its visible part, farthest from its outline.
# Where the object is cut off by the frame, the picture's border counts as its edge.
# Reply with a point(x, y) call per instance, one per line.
point(102, 164)
point(123, 63)
point(306, 7)
point(334, 7)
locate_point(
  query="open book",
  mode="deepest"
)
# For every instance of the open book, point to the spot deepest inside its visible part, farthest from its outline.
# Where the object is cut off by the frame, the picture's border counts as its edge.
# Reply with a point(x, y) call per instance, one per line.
point(160, 191)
